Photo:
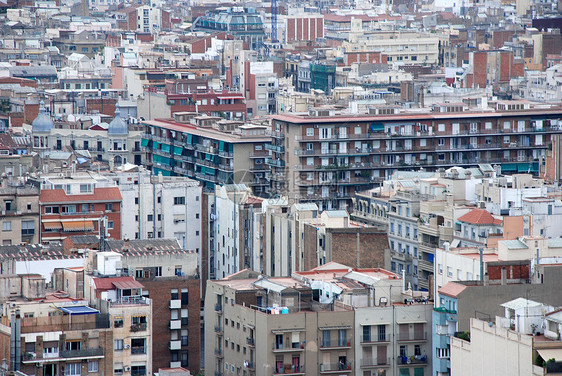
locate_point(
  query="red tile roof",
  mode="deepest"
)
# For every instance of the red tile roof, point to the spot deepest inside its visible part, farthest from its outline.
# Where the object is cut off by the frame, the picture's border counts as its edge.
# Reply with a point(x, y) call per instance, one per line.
point(452, 289)
point(105, 284)
point(52, 196)
point(480, 217)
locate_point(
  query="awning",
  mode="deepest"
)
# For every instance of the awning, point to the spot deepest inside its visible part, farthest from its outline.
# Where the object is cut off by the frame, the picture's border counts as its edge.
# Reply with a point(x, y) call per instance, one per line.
point(189, 139)
point(79, 310)
point(78, 226)
point(334, 327)
point(52, 225)
point(221, 145)
point(455, 243)
point(546, 354)
point(281, 331)
point(509, 167)
point(128, 284)
point(177, 150)
point(144, 142)
point(377, 127)
point(166, 148)
point(179, 217)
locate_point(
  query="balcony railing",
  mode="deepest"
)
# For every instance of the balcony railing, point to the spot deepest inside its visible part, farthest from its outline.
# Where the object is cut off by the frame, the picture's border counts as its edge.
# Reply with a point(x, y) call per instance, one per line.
point(335, 344)
point(138, 350)
point(288, 369)
point(250, 341)
point(138, 327)
point(415, 337)
point(417, 359)
point(218, 329)
point(218, 307)
point(85, 353)
point(218, 352)
point(291, 347)
point(130, 300)
point(375, 338)
point(335, 367)
point(375, 362)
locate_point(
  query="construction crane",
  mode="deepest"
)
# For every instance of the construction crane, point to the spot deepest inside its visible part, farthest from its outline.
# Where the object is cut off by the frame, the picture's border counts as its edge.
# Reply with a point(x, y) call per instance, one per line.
point(273, 21)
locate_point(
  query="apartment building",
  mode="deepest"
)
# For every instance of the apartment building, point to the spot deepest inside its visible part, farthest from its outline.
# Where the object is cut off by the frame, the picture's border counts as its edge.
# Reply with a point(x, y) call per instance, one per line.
point(403, 47)
point(209, 151)
point(58, 335)
point(324, 157)
point(130, 315)
point(117, 144)
point(78, 206)
point(163, 207)
point(19, 212)
point(309, 324)
point(457, 303)
point(299, 237)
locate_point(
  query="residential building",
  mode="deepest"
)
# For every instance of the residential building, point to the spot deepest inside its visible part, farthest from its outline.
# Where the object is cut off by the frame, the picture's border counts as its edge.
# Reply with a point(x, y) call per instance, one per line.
point(299, 238)
point(78, 205)
point(19, 212)
point(208, 150)
point(129, 311)
point(318, 150)
point(317, 322)
point(457, 303)
point(59, 335)
point(241, 23)
point(234, 231)
point(299, 27)
point(160, 207)
point(474, 228)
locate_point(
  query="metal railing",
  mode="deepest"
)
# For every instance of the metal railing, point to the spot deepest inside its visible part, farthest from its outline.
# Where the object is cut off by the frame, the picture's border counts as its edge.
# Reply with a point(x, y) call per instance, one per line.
point(82, 353)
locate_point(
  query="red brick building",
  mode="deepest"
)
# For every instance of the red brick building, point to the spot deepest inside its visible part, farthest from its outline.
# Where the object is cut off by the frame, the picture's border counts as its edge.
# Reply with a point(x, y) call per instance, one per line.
point(63, 214)
point(304, 28)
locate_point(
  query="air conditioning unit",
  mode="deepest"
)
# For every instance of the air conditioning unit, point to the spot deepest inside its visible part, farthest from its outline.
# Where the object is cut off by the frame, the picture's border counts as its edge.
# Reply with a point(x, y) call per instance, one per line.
point(126, 369)
point(127, 346)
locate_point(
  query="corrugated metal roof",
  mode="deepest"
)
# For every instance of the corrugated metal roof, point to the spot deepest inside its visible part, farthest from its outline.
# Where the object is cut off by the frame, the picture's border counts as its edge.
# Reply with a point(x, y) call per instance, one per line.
point(555, 243)
point(360, 277)
point(336, 213)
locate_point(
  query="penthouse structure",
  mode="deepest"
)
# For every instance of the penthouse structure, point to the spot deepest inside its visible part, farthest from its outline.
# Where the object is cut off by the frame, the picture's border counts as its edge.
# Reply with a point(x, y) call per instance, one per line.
point(208, 150)
point(325, 158)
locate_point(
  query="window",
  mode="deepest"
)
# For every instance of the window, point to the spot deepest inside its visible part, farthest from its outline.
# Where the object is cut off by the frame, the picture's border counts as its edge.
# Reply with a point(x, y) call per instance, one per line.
point(52, 210)
point(7, 226)
point(69, 209)
point(449, 271)
point(118, 322)
point(109, 207)
point(85, 188)
point(325, 338)
point(440, 268)
point(179, 200)
point(118, 344)
point(310, 132)
point(403, 351)
point(174, 294)
point(27, 228)
point(73, 369)
point(150, 218)
point(184, 296)
point(93, 366)
point(110, 225)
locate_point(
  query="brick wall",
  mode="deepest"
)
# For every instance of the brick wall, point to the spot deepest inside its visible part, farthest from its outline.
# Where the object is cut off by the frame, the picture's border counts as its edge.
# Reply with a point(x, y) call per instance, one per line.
point(160, 292)
point(358, 247)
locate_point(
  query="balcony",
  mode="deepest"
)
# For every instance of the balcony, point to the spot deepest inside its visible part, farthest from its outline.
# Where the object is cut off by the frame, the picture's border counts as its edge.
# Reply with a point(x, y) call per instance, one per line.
point(175, 364)
point(375, 362)
point(425, 265)
point(138, 350)
point(175, 345)
point(140, 327)
point(250, 342)
point(219, 353)
point(276, 134)
point(84, 354)
point(289, 348)
point(375, 338)
point(141, 300)
point(417, 337)
point(340, 345)
point(401, 256)
point(275, 162)
point(219, 329)
point(218, 308)
point(411, 360)
point(335, 367)
point(275, 148)
point(289, 369)
point(175, 324)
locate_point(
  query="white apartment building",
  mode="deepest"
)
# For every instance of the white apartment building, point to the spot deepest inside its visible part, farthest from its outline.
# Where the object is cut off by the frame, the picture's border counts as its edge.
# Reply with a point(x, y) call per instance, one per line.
point(543, 86)
point(159, 207)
